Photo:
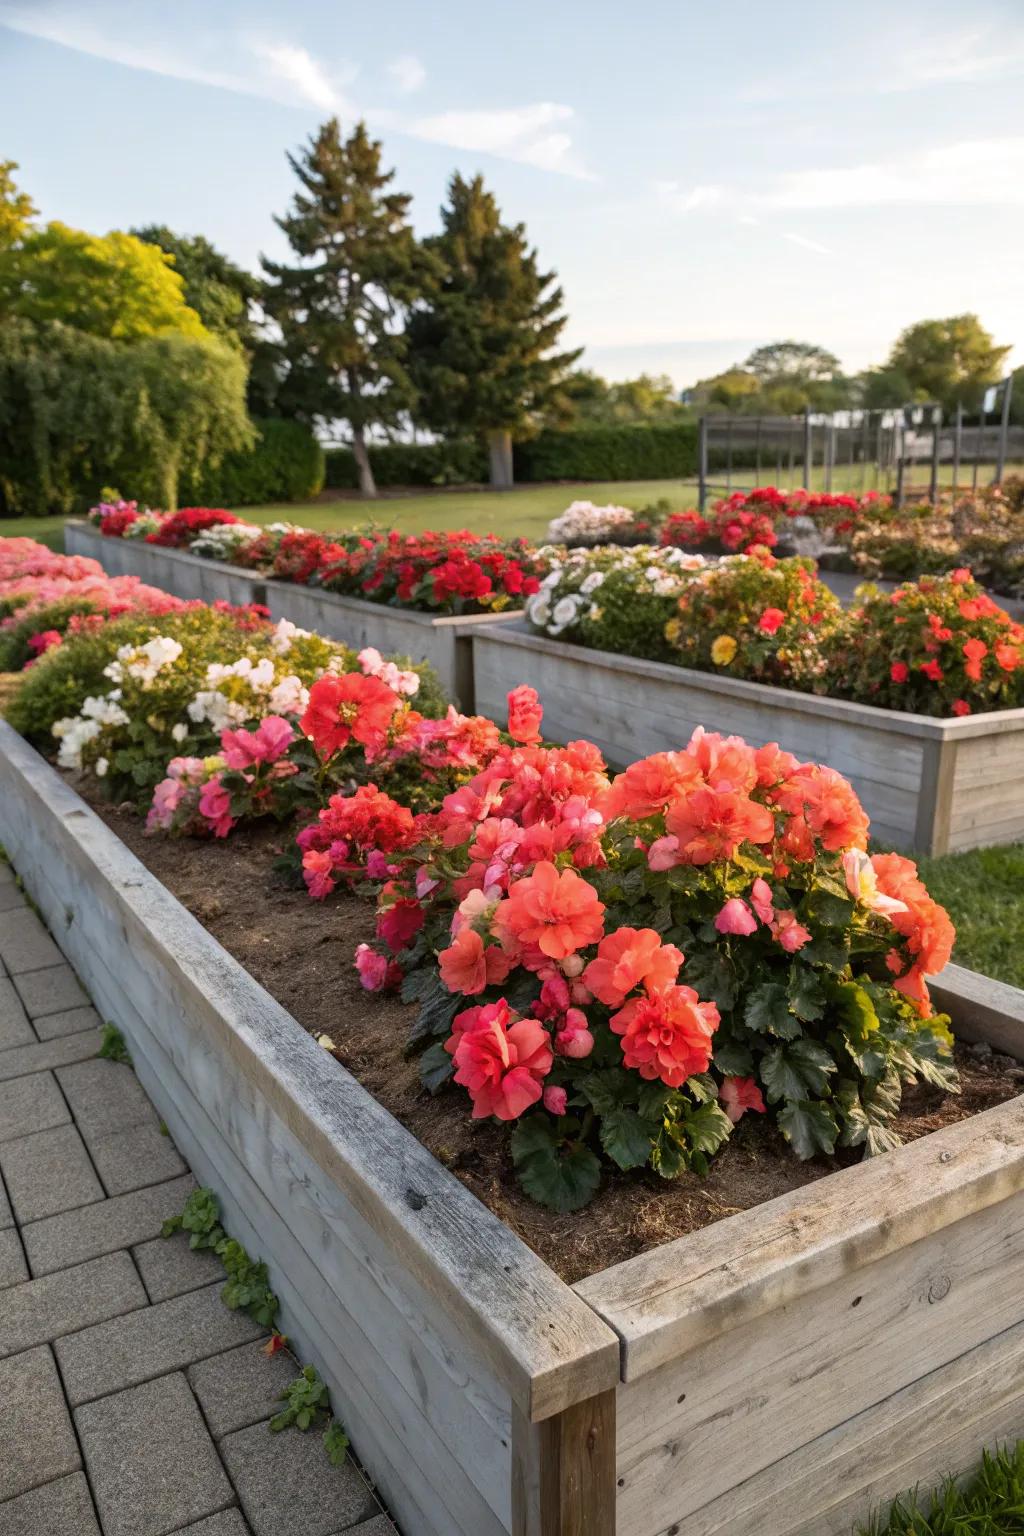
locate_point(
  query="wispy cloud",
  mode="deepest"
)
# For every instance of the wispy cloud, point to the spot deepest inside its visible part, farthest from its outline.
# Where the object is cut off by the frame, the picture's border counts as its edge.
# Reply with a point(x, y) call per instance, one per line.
point(673, 196)
point(280, 70)
point(527, 134)
point(971, 172)
point(808, 245)
point(407, 73)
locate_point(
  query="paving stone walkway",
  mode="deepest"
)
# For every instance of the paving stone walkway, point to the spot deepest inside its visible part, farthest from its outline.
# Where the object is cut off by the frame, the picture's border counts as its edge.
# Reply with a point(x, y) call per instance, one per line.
point(132, 1401)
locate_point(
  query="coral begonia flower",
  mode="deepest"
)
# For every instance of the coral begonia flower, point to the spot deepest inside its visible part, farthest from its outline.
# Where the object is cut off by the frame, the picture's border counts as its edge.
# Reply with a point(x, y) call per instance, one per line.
point(790, 932)
point(502, 1066)
point(341, 708)
point(737, 1095)
point(761, 900)
point(524, 714)
point(648, 786)
point(557, 911)
point(271, 739)
point(627, 957)
point(712, 823)
point(771, 620)
point(468, 967)
point(398, 924)
point(666, 1035)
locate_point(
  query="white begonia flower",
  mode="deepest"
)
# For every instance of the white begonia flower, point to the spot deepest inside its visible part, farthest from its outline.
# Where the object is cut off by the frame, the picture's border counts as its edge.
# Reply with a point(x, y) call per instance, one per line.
point(101, 767)
point(538, 609)
point(284, 633)
point(179, 731)
point(565, 611)
point(592, 582)
point(289, 697)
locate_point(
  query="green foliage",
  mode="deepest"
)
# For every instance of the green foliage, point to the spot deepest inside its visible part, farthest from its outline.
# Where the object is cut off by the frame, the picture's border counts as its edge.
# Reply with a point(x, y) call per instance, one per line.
point(79, 411)
point(610, 453)
point(15, 650)
point(441, 463)
point(219, 291)
point(644, 401)
point(305, 1398)
point(482, 344)
point(200, 1218)
point(991, 1503)
point(949, 361)
point(285, 463)
point(113, 1046)
point(16, 208)
point(343, 354)
point(113, 286)
point(555, 1166)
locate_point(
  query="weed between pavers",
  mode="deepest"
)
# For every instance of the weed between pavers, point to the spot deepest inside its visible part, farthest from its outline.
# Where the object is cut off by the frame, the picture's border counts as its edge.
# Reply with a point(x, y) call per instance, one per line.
point(113, 1046)
point(247, 1289)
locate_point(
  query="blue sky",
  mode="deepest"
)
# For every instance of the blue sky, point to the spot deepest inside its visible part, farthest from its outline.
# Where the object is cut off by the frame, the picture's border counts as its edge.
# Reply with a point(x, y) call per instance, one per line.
point(704, 178)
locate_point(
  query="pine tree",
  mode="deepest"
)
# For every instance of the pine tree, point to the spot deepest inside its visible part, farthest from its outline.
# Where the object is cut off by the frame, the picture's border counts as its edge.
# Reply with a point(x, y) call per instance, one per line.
point(482, 344)
point(342, 349)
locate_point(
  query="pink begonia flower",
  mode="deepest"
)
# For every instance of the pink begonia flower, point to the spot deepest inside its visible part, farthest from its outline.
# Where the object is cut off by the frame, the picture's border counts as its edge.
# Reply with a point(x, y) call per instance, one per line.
point(761, 900)
point(215, 807)
point(269, 741)
point(663, 852)
point(555, 1100)
point(736, 917)
point(574, 1041)
point(862, 884)
point(737, 1095)
point(791, 934)
point(166, 799)
point(372, 968)
point(370, 660)
point(317, 871)
point(425, 882)
point(377, 866)
point(399, 924)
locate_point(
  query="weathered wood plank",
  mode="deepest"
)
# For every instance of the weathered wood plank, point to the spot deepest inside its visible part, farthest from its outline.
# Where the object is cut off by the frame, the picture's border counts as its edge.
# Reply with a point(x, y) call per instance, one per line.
point(981, 1008)
point(547, 1347)
point(173, 570)
point(563, 1481)
point(935, 1426)
point(728, 1408)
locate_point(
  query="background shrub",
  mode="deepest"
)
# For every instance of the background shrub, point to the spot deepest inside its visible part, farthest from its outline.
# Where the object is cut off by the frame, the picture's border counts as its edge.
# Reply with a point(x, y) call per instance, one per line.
point(286, 463)
point(451, 463)
point(610, 453)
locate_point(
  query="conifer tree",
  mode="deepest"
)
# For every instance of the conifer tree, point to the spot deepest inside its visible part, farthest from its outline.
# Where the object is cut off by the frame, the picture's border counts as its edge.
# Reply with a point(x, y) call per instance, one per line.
point(482, 343)
point(340, 308)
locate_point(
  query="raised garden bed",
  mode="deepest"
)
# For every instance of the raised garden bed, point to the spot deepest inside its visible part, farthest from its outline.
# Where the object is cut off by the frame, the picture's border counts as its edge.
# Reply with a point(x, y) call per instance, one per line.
point(444, 640)
point(777, 1371)
point(929, 785)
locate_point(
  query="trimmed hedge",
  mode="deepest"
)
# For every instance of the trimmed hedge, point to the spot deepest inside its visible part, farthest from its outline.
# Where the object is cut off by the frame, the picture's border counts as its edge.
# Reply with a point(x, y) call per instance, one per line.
point(598, 453)
point(610, 453)
point(455, 463)
point(286, 464)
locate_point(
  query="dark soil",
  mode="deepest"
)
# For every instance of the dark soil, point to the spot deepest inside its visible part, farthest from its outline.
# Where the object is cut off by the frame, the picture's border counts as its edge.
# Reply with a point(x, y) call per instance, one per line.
point(301, 951)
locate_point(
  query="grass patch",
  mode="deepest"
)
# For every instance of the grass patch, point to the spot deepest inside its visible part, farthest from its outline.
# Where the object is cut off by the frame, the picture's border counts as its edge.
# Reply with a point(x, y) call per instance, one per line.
point(983, 891)
point(45, 530)
point(991, 1503)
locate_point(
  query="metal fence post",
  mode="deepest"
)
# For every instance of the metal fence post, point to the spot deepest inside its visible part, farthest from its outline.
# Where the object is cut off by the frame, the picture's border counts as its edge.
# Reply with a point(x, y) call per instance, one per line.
point(933, 478)
point(958, 440)
point(808, 452)
point(1004, 429)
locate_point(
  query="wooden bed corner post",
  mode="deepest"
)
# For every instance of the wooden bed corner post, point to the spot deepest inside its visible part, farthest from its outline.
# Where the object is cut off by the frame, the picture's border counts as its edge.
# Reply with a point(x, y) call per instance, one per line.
point(563, 1471)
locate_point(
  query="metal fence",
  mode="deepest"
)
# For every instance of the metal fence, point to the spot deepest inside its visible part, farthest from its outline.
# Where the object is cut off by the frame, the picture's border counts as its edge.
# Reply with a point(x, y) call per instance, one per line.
point(908, 452)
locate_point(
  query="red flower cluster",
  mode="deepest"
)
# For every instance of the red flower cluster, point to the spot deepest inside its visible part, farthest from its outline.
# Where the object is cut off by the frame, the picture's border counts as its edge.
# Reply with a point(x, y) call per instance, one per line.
point(747, 518)
point(301, 554)
point(347, 831)
point(452, 572)
point(178, 530)
point(352, 706)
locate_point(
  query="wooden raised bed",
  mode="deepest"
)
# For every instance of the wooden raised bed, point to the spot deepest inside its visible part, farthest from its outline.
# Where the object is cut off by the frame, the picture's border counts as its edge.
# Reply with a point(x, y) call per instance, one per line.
point(929, 785)
point(777, 1372)
point(444, 640)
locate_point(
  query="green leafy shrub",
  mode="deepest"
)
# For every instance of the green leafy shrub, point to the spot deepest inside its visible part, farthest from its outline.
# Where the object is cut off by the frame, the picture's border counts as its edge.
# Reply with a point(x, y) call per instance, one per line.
point(610, 453)
point(285, 463)
point(15, 650)
point(443, 463)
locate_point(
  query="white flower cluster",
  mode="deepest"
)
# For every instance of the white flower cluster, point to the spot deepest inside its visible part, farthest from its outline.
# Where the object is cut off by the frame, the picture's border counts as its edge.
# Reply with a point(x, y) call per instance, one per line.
point(373, 665)
point(143, 662)
point(585, 523)
point(246, 690)
point(146, 523)
point(222, 540)
point(75, 730)
point(284, 633)
point(569, 591)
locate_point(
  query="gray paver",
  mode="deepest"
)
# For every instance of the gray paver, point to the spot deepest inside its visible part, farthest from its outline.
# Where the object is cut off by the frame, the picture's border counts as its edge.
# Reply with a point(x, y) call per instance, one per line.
point(169, 1267)
point(151, 1462)
point(285, 1483)
point(15, 1028)
point(48, 1172)
point(13, 1269)
point(11, 898)
point(228, 1523)
point(30, 1104)
point(120, 1222)
point(25, 1059)
point(241, 1387)
point(105, 1096)
point(6, 1214)
point(53, 989)
point(37, 1442)
point(134, 1158)
point(165, 1337)
point(69, 1022)
point(25, 944)
point(76, 1298)
point(380, 1525)
point(63, 1508)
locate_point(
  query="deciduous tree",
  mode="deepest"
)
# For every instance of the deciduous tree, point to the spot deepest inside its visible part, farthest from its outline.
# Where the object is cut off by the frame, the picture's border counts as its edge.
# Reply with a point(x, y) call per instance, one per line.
point(949, 361)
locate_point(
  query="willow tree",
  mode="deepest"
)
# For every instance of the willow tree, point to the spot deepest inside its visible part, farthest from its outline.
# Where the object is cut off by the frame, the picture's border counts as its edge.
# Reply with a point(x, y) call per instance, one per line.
point(482, 344)
point(340, 307)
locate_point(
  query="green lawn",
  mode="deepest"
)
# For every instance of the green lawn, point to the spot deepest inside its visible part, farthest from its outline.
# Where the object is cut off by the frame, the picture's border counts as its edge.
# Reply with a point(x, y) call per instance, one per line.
point(991, 1503)
point(983, 892)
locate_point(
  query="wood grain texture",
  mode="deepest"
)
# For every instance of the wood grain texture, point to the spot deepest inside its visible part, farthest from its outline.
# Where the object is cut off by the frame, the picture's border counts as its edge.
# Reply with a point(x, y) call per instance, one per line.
point(733, 1406)
point(564, 1472)
point(545, 1346)
point(981, 1008)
